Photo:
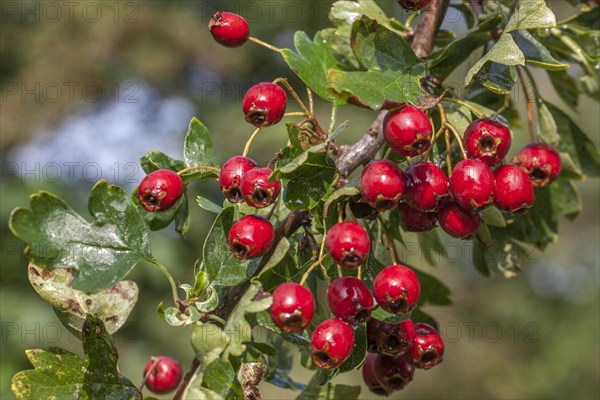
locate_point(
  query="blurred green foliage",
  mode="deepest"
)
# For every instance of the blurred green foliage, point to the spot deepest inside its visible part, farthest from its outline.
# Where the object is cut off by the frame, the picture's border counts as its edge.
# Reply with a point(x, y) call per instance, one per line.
point(535, 336)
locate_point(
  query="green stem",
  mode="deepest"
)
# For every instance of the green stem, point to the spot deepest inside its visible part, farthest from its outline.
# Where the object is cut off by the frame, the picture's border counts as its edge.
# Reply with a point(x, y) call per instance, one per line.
point(264, 44)
point(475, 111)
point(166, 273)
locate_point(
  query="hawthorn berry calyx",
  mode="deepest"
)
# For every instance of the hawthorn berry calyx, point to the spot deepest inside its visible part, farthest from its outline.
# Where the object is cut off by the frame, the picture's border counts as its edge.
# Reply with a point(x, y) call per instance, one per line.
point(540, 161)
point(487, 140)
point(160, 190)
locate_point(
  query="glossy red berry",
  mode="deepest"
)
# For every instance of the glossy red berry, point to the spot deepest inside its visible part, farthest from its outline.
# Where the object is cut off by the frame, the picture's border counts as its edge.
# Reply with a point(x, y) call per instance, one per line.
point(415, 220)
point(228, 29)
point(514, 190)
point(264, 104)
point(396, 372)
point(160, 190)
point(413, 5)
point(541, 162)
point(348, 243)
point(472, 184)
point(251, 237)
point(397, 289)
point(426, 186)
point(293, 307)
point(395, 339)
point(487, 140)
point(162, 374)
point(428, 347)
point(382, 184)
point(458, 222)
point(256, 189)
point(408, 131)
point(350, 300)
point(231, 174)
point(373, 373)
point(331, 343)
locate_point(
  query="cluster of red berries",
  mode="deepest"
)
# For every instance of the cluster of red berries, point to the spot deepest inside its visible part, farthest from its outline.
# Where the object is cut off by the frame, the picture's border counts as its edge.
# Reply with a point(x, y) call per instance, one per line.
point(424, 194)
point(396, 349)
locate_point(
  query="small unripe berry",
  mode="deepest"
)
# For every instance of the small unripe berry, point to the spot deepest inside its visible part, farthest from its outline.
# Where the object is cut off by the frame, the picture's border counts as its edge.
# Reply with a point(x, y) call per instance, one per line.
point(160, 190)
point(348, 243)
point(426, 186)
point(514, 190)
point(397, 289)
point(458, 222)
point(382, 184)
point(264, 104)
point(350, 300)
point(293, 307)
point(331, 344)
point(256, 189)
point(541, 162)
point(408, 131)
point(472, 185)
point(162, 374)
point(251, 237)
point(231, 175)
point(428, 347)
point(487, 140)
point(228, 29)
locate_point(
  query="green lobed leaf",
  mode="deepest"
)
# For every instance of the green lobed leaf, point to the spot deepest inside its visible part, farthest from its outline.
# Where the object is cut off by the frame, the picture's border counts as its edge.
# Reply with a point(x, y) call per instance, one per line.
point(238, 329)
point(493, 216)
point(393, 71)
point(282, 267)
point(199, 150)
point(536, 53)
point(565, 86)
point(222, 267)
point(573, 141)
point(220, 377)
point(359, 352)
point(565, 198)
point(319, 390)
point(312, 62)
point(112, 306)
point(154, 160)
point(381, 315)
point(530, 14)
point(548, 130)
point(505, 52)
point(60, 374)
point(102, 252)
point(447, 59)
point(208, 205)
point(102, 378)
point(57, 373)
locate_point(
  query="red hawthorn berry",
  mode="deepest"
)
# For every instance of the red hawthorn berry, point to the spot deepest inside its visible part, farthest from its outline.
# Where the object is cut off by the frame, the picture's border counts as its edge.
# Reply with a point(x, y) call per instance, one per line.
point(397, 289)
point(348, 243)
point(331, 343)
point(382, 184)
point(160, 190)
point(415, 220)
point(428, 347)
point(472, 184)
point(256, 189)
point(407, 131)
point(514, 190)
point(541, 162)
point(426, 186)
point(162, 374)
point(264, 104)
point(350, 300)
point(228, 29)
point(231, 174)
point(458, 222)
point(293, 307)
point(251, 237)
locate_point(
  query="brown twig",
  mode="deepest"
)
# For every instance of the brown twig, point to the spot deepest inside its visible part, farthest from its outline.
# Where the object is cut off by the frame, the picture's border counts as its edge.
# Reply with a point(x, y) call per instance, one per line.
point(427, 30)
point(251, 374)
point(363, 151)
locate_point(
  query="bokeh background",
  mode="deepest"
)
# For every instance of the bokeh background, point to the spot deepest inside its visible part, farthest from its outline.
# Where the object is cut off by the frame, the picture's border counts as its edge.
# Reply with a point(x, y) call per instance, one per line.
point(88, 87)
